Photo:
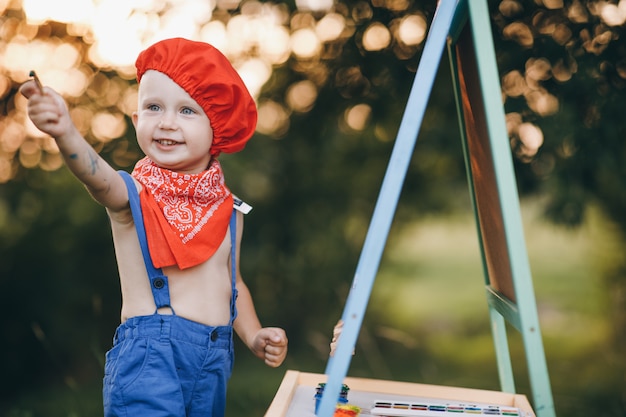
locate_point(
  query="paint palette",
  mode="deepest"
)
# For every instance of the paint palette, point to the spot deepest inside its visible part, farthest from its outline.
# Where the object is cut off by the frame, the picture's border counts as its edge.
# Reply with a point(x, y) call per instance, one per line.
point(432, 409)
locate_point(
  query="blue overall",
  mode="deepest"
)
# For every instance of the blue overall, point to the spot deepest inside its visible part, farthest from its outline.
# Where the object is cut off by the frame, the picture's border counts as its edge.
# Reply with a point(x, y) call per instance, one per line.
point(166, 365)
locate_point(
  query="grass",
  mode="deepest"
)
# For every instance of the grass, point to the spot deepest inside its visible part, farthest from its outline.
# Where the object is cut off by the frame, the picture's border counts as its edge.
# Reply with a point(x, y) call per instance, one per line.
point(430, 285)
point(427, 319)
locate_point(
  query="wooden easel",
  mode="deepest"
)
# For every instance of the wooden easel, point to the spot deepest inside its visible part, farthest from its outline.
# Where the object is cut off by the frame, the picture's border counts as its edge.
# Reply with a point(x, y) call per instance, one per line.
point(463, 27)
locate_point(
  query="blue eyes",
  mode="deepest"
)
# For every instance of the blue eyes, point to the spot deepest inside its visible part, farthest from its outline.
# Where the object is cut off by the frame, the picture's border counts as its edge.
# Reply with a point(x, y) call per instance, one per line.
point(185, 110)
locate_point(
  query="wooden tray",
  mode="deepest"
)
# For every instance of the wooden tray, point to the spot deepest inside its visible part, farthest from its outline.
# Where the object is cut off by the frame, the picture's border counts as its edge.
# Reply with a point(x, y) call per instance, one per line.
point(295, 396)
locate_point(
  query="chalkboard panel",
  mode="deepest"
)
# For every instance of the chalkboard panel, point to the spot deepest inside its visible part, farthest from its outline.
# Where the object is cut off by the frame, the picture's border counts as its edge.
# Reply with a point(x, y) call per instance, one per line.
point(482, 171)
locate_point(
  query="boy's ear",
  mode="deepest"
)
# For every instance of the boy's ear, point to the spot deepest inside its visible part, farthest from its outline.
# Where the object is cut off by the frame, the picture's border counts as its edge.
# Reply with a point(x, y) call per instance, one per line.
point(134, 118)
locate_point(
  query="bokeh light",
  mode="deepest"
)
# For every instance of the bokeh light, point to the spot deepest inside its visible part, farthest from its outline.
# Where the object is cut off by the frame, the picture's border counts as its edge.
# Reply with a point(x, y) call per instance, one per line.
point(520, 33)
point(305, 44)
point(330, 27)
point(412, 30)
point(356, 117)
point(526, 137)
point(301, 96)
point(376, 37)
point(273, 119)
point(611, 14)
point(529, 85)
point(85, 49)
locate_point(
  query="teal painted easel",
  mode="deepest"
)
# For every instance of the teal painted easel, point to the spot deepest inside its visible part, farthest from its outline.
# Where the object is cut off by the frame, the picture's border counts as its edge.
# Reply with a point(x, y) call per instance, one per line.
point(464, 29)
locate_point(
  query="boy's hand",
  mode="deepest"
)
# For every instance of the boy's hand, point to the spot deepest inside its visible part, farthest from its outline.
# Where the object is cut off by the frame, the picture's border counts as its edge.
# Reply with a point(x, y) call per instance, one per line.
point(336, 334)
point(270, 344)
point(47, 110)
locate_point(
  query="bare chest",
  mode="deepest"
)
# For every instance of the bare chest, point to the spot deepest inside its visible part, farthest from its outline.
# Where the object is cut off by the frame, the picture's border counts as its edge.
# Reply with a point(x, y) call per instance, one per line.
point(201, 293)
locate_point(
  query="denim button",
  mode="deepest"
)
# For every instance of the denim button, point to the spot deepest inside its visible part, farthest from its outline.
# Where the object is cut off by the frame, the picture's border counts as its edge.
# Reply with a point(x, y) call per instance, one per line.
point(158, 283)
point(213, 336)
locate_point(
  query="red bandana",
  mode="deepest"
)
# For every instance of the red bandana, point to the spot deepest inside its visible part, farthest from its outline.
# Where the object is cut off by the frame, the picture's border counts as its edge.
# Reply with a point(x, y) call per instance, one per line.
point(185, 215)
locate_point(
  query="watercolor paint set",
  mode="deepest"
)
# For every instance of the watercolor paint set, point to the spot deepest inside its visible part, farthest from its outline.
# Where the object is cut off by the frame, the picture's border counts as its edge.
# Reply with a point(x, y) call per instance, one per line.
point(384, 408)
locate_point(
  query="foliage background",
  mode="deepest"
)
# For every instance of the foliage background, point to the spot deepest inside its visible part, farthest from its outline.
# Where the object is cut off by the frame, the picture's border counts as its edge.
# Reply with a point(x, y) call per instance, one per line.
point(313, 185)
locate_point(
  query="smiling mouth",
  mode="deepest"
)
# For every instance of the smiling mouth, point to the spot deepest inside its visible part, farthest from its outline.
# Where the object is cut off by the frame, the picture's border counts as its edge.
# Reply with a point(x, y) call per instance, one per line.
point(166, 142)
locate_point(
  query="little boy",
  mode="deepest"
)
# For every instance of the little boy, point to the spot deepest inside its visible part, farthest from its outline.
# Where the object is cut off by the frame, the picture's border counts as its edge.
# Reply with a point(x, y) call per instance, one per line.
point(176, 233)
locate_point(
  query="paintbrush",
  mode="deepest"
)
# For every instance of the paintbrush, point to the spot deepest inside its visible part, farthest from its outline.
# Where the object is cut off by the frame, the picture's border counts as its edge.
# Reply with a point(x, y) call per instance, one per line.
point(37, 81)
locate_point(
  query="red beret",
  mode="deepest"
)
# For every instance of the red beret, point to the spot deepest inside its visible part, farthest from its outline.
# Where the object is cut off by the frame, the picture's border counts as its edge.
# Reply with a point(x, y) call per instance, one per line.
point(210, 79)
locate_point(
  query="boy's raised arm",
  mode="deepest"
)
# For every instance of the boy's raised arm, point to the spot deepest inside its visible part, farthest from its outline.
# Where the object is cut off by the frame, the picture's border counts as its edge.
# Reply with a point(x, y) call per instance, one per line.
point(49, 113)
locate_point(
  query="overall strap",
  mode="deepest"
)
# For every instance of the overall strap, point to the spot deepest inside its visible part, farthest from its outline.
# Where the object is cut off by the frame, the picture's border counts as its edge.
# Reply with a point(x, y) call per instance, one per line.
point(158, 281)
point(233, 265)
